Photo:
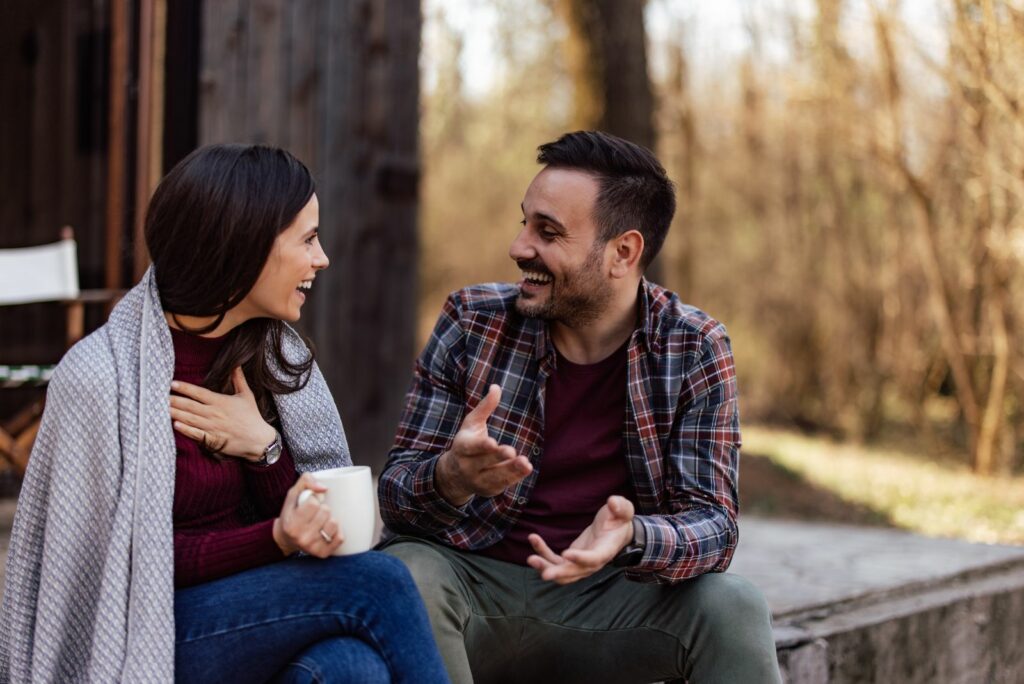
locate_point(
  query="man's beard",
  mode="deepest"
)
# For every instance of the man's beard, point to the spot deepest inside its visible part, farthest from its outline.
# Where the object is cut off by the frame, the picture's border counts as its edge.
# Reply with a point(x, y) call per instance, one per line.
point(574, 299)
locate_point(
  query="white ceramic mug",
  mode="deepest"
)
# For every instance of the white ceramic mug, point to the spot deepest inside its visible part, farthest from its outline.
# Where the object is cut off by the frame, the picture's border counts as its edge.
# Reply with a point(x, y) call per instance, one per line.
point(350, 498)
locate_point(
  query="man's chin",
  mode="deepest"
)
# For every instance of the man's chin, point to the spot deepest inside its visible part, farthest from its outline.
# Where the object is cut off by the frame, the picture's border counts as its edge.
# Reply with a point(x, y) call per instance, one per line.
point(527, 306)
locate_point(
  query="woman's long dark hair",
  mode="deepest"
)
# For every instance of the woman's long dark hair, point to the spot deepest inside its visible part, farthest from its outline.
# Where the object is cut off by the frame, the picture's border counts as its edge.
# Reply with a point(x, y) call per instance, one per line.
point(210, 227)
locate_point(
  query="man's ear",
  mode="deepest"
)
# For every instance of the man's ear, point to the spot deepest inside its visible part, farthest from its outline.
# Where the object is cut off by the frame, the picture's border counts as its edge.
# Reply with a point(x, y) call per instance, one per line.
point(627, 249)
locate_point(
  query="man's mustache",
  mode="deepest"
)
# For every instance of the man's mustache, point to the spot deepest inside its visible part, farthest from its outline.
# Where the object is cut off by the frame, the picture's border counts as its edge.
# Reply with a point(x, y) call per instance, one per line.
point(535, 265)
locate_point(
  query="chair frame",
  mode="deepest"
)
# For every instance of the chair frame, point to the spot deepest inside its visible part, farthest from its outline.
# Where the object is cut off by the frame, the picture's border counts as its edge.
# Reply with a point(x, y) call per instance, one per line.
point(18, 433)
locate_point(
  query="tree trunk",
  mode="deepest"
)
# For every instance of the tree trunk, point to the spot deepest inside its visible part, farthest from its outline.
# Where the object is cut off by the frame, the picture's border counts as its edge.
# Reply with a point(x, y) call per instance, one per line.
point(607, 55)
point(336, 82)
point(606, 52)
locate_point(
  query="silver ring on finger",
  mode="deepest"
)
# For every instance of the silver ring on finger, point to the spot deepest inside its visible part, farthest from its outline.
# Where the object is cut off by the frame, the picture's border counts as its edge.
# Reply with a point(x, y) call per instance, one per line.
point(326, 537)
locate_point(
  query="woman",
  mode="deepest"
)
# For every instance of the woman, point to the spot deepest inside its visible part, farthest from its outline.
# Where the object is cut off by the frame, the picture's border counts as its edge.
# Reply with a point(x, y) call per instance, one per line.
point(142, 551)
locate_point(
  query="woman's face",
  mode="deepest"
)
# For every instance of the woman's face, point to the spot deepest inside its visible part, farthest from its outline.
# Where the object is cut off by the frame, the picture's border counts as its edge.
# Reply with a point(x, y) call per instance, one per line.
point(290, 269)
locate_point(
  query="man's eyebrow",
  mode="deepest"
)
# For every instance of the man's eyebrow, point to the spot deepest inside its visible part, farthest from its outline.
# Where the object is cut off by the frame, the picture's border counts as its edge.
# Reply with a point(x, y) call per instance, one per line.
point(544, 217)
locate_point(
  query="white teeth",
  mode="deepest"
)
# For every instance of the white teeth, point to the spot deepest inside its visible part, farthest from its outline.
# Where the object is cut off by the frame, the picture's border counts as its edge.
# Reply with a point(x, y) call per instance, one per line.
point(305, 284)
point(538, 277)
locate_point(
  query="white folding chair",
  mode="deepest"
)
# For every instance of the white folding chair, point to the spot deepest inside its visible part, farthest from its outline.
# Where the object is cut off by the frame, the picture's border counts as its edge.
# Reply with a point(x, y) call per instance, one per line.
point(31, 275)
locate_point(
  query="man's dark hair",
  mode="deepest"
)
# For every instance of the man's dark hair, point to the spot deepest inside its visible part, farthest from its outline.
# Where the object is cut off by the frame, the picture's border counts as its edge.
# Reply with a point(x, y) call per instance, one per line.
point(634, 192)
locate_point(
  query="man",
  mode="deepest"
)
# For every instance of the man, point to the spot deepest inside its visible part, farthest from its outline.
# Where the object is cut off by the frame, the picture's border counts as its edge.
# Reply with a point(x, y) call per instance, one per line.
point(564, 473)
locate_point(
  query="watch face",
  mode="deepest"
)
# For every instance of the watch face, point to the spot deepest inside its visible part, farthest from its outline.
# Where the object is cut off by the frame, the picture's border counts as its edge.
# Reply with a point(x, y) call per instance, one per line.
point(273, 452)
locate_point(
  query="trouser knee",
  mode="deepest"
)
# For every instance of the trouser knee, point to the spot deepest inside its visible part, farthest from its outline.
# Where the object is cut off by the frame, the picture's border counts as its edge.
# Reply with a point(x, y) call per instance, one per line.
point(435, 577)
point(723, 600)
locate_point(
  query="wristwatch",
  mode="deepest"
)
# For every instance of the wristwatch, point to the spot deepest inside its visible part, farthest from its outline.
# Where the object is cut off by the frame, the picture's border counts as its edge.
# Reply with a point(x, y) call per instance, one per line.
point(272, 452)
point(631, 554)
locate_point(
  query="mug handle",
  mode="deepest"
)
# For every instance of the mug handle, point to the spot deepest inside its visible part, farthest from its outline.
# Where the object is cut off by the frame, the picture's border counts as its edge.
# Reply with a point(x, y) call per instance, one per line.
point(304, 497)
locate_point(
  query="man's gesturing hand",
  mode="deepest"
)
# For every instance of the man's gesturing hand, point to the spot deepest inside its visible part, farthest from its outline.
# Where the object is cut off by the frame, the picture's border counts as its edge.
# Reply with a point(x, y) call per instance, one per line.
point(476, 464)
point(611, 531)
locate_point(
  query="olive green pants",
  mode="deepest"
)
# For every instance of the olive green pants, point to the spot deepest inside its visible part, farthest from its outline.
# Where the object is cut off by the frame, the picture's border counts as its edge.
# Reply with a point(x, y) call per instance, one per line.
point(500, 622)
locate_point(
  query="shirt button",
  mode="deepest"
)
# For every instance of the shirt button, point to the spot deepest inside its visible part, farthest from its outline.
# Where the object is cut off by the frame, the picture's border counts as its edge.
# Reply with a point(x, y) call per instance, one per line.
point(536, 451)
point(521, 500)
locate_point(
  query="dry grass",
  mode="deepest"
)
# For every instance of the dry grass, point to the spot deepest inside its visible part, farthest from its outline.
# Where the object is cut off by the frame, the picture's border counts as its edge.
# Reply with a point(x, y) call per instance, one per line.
point(939, 500)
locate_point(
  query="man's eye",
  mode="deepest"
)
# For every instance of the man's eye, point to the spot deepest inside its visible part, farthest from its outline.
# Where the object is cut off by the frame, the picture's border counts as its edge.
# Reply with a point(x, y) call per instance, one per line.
point(548, 234)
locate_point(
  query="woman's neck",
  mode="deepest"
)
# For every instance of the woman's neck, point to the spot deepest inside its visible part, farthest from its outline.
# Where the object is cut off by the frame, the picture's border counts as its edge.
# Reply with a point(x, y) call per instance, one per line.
point(231, 320)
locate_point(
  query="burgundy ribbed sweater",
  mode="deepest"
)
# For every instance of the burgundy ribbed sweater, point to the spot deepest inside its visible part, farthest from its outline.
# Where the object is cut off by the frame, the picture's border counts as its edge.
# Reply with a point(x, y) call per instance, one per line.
point(215, 500)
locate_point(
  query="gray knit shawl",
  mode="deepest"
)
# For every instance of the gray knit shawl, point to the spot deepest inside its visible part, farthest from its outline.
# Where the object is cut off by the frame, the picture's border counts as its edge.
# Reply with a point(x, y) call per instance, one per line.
point(89, 590)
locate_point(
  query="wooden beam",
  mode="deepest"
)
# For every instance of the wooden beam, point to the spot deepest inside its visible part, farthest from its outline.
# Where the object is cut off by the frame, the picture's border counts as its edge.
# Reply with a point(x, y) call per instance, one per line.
point(149, 136)
point(117, 153)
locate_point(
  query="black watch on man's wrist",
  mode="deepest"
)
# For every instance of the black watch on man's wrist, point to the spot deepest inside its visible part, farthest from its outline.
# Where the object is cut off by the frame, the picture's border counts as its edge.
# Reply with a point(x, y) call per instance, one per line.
point(631, 554)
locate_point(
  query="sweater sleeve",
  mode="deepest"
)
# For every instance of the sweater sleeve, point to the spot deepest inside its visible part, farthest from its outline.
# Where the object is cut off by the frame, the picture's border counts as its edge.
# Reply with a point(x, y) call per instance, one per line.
point(268, 486)
point(202, 556)
point(205, 555)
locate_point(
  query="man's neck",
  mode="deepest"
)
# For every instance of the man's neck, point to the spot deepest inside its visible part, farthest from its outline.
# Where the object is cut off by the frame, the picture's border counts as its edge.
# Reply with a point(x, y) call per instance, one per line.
point(596, 340)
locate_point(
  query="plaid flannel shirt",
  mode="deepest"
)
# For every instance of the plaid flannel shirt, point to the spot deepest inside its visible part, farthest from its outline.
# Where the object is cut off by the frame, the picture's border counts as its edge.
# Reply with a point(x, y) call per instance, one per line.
point(681, 433)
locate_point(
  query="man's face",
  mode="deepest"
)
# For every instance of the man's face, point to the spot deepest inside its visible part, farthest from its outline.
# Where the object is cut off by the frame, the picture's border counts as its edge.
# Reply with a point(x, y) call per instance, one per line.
point(564, 275)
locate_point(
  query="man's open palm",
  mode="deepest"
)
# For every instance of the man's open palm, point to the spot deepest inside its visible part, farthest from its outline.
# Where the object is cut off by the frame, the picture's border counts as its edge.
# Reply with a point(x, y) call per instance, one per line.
point(596, 546)
point(477, 465)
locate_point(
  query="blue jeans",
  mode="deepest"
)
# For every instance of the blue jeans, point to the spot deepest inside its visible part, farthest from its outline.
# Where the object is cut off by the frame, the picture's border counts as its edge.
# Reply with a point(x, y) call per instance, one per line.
point(344, 619)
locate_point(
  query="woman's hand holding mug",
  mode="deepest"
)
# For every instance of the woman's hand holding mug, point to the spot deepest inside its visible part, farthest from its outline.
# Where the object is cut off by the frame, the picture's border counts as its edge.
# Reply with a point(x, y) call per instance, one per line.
point(307, 526)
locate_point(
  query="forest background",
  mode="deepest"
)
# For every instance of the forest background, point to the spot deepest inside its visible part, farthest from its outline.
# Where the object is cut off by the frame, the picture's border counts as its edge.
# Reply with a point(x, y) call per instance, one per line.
point(850, 178)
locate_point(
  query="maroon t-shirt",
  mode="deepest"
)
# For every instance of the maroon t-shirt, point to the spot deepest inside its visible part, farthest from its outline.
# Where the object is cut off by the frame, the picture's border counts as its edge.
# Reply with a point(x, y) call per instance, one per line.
point(584, 459)
point(217, 500)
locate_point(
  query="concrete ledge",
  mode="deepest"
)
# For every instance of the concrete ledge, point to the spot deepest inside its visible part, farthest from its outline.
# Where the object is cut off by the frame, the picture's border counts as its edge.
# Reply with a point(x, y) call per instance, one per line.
point(869, 605)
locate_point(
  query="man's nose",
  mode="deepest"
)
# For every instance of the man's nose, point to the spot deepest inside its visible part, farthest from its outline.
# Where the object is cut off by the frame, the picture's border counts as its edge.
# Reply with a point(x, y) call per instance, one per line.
point(520, 249)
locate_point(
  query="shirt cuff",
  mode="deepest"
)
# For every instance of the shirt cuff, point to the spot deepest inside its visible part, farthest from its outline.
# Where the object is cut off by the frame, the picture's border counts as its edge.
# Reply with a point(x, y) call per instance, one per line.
point(660, 541)
point(426, 499)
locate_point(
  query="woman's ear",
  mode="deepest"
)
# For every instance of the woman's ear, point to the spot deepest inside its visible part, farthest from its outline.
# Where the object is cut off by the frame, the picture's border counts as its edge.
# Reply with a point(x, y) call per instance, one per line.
point(628, 248)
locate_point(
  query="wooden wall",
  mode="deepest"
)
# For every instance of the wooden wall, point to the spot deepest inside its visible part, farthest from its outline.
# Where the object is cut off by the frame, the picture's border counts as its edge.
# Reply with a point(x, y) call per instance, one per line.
point(52, 158)
point(336, 82)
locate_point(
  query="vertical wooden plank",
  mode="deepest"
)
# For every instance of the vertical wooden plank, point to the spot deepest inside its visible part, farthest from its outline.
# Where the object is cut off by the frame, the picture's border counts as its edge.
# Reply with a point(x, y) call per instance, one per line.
point(117, 143)
point(149, 121)
point(222, 71)
point(337, 83)
point(265, 62)
point(302, 50)
point(143, 133)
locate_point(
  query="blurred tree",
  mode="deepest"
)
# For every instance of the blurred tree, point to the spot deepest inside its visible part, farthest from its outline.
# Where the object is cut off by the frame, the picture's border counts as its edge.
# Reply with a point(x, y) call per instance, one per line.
point(851, 194)
point(479, 148)
point(606, 55)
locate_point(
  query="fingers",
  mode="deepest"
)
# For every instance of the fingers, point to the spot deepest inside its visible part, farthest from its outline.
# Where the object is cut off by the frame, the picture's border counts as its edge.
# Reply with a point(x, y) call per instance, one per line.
point(189, 431)
point(482, 411)
point(191, 419)
point(543, 550)
point(305, 481)
point(620, 507)
point(190, 405)
point(196, 392)
point(238, 378)
point(333, 530)
point(508, 471)
point(493, 479)
point(593, 560)
point(555, 568)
